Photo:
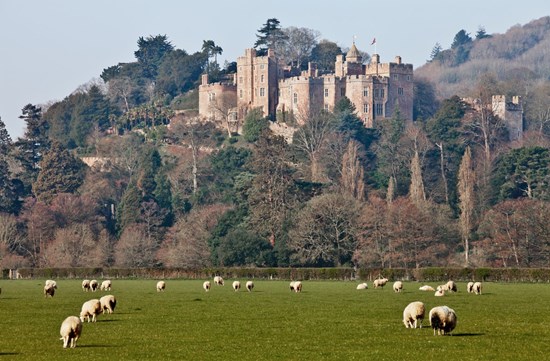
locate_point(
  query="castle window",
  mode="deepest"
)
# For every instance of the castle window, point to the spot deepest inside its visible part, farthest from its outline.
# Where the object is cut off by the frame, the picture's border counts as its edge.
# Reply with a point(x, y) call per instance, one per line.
point(381, 93)
point(408, 78)
point(326, 93)
point(262, 78)
point(295, 98)
point(395, 77)
point(262, 92)
point(241, 93)
point(365, 92)
point(365, 108)
point(261, 66)
point(326, 107)
point(211, 96)
point(376, 93)
point(399, 91)
point(379, 109)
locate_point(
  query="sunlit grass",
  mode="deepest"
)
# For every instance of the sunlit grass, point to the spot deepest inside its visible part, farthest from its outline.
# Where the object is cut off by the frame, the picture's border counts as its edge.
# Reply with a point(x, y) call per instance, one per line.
point(327, 321)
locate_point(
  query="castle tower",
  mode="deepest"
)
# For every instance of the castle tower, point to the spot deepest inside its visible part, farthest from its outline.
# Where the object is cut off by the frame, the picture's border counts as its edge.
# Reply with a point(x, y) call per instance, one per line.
point(511, 113)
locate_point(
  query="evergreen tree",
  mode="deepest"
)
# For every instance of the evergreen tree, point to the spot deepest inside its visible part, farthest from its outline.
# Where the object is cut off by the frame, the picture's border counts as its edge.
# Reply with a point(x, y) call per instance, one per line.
point(5, 140)
point(151, 52)
point(8, 193)
point(129, 207)
point(434, 55)
point(416, 192)
point(60, 172)
point(270, 36)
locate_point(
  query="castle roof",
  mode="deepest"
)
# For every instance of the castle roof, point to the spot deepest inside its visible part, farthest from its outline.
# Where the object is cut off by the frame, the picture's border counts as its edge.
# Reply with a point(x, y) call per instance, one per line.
point(353, 54)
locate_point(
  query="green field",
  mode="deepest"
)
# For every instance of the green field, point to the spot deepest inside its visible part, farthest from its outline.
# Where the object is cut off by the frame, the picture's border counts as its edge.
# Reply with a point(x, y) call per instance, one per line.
point(327, 321)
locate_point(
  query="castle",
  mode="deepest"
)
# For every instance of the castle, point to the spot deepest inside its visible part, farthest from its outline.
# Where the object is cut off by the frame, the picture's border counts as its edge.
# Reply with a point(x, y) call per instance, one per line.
point(376, 89)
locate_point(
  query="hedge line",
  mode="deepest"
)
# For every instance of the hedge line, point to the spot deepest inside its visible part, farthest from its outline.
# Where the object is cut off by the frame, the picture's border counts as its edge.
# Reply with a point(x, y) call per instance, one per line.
point(433, 274)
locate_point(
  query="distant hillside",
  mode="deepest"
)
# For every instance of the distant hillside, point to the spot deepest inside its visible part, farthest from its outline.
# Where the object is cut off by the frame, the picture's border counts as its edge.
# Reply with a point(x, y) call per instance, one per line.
point(521, 54)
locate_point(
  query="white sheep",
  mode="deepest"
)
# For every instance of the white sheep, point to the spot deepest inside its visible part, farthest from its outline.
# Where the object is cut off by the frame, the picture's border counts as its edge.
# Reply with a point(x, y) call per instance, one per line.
point(451, 286)
point(442, 288)
point(236, 285)
point(477, 288)
point(85, 285)
point(105, 285)
point(362, 286)
point(90, 308)
point(296, 286)
point(161, 286)
point(49, 290)
point(413, 313)
point(381, 282)
point(443, 319)
point(93, 285)
point(218, 280)
point(108, 303)
point(50, 283)
point(70, 331)
point(206, 286)
point(249, 286)
point(470, 287)
point(398, 286)
point(426, 288)
point(439, 293)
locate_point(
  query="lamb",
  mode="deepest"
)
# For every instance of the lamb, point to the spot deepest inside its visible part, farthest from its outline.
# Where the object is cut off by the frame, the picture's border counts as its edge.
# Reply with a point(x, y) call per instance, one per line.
point(398, 286)
point(426, 288)
point(206, 286)
point(161, 286)
point(218, 280)
point(249, 286)
point(413, 313)
point(362, 286)
point(105, 285)
point(93, 285)
point(451, 286)
point(296, 286)
point(442, 288)
point(477, 288)
point(470, 287)
point(381, 282)
point(90, 308)
point(70, 331)
point(236, 285)
point(108, 303)
point(49, 290)
point(439, 293)
point(86, 285)
point(443, 319)
point(50, 283)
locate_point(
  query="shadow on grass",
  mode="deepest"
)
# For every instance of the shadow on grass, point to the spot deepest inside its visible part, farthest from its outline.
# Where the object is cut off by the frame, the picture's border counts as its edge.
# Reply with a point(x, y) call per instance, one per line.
point(467, 334)
point(109, 320)
point(96, 346)
point(8, 353)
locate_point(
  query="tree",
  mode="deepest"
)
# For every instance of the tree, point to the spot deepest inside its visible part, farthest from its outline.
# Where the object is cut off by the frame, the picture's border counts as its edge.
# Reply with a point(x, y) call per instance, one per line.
point(481, 33)
point(151, 51)
point(466, 181)
point(324, 54)
point(211, 50)
point(416, 193)
point(436, 50)
point(353, 176)
point(298, 46)
point(325, 231)
point(129, 207)
point(39, 230)
point(134, 249)
point(60, 172)
point(537, 110)
point(254, 125)
point(72, 246)
point(461, 38)
point(5, 140)
point(270, 36)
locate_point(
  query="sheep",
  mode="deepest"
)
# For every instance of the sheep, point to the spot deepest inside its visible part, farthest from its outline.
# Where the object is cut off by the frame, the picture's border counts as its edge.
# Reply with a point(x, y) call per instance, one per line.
point(451, 286)
point(206, 286)
point(108, 303)
point(362, 286)
point(296, 286)
point(381, 282)
point(236, 285)
point(86, 285)
point(90, 308)
point(105, 285)
point(439, 293)
point(50, 283)
point(477, 288)
point(161, 286)
point(93, 285)
point(443, 319)
point(70, 331)
point(426, 288)
point(398, 286)
point(470, 287)
point(414, 312)
point(249, 286)
point(49, 290)
point(219, 281)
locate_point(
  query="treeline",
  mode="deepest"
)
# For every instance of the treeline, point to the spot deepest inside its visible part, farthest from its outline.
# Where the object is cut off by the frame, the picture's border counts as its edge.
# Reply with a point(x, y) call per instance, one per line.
point(447, 189)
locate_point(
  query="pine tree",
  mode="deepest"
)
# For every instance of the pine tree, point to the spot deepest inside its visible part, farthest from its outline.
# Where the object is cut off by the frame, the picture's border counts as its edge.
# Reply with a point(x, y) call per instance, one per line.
point(5, 139)
point(466, 196)
point(129, 207)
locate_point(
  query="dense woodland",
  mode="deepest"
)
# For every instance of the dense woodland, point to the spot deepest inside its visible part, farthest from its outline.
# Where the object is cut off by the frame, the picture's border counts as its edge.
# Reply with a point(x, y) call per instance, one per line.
point(170, 191)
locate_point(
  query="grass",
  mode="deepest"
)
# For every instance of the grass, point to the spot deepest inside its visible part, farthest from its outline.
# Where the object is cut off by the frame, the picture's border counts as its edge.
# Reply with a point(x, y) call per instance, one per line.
point(327, 321)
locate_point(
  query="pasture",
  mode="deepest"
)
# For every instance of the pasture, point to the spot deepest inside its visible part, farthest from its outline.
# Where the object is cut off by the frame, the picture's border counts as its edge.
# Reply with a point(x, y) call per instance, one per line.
point(329, 320)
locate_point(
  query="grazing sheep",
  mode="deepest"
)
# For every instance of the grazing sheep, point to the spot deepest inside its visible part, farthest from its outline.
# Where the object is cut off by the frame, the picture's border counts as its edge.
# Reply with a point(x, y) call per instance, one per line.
point(105, 285)
point(398, 286)
point(451, 286)
point(70, 331)
point(86, 285)
point(296, 286)
point(50, 283)
point(93, 285)
point(236, 285)
point(443, 319)
point(49, 290)
point(90, 308)
point(413, 313)
point(206, 286)
point(161, 286)
point(439, 293)
point(249, 286)
point(470, 287)
point(108, 303)
point(381, 282)
point(426, 288)
point(477, 288)
point(219, 281)
point(362, 286)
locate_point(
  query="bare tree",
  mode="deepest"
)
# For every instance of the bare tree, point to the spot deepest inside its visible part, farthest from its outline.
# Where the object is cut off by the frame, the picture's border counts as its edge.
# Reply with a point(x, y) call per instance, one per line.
point(120, 88)
point(353, 174)
point(71, 247)
point(466, 180)
point(299, 44)
point(416, 193)
point(223, 107)
point(135, 249)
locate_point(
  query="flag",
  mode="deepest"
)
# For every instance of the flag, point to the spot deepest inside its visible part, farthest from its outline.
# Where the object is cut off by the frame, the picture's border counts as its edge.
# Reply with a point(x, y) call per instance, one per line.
point(373, 41)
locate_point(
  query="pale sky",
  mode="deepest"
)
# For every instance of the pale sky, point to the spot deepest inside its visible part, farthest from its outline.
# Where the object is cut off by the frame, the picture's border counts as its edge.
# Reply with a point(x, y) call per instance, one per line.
point(51, 47)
